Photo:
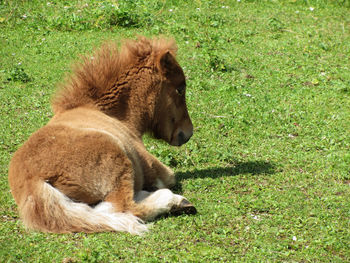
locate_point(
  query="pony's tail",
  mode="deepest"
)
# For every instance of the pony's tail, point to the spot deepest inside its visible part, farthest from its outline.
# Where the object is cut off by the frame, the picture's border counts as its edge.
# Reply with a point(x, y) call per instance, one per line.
point(47, 209)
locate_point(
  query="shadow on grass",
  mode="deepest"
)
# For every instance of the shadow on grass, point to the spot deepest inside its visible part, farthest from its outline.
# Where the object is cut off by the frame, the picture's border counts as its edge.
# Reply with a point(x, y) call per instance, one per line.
point(252, 167)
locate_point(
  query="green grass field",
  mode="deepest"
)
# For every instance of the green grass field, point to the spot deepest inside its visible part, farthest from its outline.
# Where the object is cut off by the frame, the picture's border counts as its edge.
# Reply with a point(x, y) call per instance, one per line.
point(268, 167)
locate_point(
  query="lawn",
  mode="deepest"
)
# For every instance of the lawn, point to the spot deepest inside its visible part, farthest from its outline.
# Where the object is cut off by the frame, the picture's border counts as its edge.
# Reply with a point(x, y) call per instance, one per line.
point(268, 167)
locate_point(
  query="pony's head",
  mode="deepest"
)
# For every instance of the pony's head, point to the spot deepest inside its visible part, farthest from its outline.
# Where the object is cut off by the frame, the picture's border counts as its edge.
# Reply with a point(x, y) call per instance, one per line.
point(142, 85)
point(172, 122)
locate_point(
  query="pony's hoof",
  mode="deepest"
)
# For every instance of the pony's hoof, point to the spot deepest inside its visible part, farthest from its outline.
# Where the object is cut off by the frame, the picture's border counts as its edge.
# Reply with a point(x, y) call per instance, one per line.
point(185, 207)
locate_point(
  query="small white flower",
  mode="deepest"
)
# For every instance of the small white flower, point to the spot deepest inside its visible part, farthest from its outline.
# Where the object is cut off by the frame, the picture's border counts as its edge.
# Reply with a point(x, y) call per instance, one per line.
point(48, 3)
point(247, 95)
point(255, 217)
point(19, 63)
point(171, 10)
point(323, 73)
point(297, 12)
point(187, 42)
point(311, 8)
point(294, 238)
point(24, 16)
point(65, 7)
point(238, 0)
point(292, 136)
point(198, 9)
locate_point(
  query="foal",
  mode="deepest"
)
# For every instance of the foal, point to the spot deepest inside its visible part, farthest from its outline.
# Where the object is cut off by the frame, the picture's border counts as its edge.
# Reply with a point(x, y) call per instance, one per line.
point(87, 169)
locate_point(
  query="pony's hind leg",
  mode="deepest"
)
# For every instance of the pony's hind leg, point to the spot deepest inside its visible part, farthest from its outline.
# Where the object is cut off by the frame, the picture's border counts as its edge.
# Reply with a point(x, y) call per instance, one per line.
point(149, 205)
point(163, 201)
point(143, 204)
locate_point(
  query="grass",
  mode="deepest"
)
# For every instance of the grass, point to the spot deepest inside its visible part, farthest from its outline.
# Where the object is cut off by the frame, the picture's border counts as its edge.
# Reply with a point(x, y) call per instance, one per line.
point(268, 167)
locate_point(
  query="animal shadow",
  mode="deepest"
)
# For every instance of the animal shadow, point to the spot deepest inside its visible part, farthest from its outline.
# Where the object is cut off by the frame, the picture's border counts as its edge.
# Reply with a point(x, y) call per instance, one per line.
point(251, 167)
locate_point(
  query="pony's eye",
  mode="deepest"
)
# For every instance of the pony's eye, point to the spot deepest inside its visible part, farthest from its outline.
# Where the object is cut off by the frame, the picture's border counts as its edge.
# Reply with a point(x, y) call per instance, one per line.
point(181, 90)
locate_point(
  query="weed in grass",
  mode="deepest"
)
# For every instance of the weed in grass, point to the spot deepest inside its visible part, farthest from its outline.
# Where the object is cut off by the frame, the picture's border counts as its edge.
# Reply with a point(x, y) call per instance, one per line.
point(17, 73)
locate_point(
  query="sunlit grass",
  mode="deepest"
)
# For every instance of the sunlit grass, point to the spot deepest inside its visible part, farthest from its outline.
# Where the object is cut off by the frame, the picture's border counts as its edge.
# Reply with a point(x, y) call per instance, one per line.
point(268, 93)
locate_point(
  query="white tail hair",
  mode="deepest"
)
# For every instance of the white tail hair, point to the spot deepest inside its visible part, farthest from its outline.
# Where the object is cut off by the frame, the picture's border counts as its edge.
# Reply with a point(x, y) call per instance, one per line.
point(47, 209)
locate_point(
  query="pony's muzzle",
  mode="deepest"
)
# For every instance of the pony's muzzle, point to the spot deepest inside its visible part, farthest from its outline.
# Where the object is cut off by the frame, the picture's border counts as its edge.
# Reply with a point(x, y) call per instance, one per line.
point(181, 137)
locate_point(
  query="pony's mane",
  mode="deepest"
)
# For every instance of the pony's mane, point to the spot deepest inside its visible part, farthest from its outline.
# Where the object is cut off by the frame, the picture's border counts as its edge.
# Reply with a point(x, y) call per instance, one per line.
point(96, 75)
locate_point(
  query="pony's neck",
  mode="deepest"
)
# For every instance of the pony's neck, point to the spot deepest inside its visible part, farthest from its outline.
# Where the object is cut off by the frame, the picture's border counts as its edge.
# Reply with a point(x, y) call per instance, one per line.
point(132, 101)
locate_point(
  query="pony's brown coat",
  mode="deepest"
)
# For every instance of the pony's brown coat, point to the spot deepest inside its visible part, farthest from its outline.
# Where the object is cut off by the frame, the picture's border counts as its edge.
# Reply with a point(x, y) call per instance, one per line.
point(91, 151)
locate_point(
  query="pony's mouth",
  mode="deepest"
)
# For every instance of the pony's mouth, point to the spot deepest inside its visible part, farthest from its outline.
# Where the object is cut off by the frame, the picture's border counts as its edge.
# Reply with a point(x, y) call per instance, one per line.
point(180, 138)
point(177, 138)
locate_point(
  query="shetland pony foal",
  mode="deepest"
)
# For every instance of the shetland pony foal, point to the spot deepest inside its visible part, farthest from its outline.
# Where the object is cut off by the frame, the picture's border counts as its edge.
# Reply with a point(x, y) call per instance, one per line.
point(87, 169)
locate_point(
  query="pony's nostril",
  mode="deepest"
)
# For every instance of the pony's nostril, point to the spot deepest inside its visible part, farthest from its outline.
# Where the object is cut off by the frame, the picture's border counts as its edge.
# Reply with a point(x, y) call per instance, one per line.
point(182, 138)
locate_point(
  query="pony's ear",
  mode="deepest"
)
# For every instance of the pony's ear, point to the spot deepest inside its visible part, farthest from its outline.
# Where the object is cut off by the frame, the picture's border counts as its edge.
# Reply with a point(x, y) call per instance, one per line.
point(167, 63)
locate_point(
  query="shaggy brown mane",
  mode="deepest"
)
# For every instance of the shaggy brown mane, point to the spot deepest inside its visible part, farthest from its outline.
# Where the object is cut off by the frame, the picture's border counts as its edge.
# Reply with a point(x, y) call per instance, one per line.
point(98, 75)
